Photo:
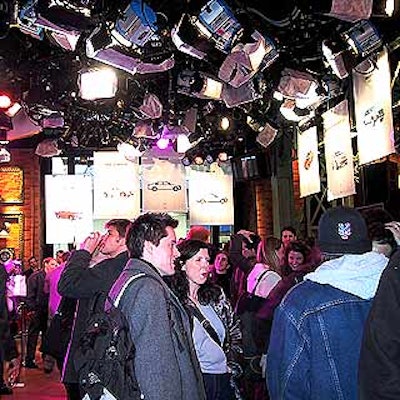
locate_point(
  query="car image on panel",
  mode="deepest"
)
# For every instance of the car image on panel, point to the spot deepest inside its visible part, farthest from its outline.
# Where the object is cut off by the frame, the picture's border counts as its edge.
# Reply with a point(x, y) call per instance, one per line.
point(212, 198)
point(71, 215)
point(163, 185)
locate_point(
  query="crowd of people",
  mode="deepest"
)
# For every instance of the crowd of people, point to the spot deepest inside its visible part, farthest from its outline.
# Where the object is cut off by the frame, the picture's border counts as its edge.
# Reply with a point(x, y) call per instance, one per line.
point(261, 318)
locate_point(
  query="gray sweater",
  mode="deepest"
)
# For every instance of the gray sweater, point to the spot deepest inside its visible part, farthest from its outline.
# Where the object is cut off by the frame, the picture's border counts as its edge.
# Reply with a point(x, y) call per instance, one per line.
point(165, 362)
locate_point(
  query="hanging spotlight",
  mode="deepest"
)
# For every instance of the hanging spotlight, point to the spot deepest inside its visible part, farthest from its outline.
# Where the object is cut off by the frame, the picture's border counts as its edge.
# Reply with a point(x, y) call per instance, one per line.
point(352, 47)
point(198, 160)
point(266, 136)
point(199, 84)
point(218, 23)
point(224, 123)
point(293, 113)
point(186, 161)
point(13, 110)
point(97, 84)
point(389, 8)
point(137, 25)
point(5, 101)
point(383, 8)
point(8, 105)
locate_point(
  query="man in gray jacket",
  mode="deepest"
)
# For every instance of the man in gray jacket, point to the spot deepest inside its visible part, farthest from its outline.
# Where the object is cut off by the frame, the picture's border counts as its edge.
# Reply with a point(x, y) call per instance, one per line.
point(165, 362)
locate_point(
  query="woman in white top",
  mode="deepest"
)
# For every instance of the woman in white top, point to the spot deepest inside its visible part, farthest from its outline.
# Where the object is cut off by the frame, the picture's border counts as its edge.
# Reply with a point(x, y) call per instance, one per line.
point(216, 332)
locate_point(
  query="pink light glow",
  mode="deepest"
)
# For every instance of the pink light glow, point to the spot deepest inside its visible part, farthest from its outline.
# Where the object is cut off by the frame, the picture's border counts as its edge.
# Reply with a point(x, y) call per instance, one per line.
point(162, 143)
point(5, 101)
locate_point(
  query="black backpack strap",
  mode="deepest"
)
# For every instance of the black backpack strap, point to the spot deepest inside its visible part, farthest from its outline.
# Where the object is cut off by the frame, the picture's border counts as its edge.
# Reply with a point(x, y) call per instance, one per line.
point(204, 322)
point(97, 299)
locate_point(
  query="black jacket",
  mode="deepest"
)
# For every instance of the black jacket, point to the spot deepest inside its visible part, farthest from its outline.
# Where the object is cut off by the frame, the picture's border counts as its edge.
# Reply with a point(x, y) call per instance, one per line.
point(80, 282)
point(36, 299)
point(379, 369)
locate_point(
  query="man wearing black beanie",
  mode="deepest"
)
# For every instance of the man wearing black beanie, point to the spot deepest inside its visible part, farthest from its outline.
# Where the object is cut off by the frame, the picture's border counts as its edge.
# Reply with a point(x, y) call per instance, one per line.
point(317, 329)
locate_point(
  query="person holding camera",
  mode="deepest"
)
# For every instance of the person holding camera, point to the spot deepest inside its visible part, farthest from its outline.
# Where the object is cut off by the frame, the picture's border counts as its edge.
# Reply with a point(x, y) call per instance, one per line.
point(242, 253)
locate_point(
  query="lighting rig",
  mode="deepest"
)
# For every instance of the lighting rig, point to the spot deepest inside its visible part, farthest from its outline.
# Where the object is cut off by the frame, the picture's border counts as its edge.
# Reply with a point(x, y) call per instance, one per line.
point(170, 70)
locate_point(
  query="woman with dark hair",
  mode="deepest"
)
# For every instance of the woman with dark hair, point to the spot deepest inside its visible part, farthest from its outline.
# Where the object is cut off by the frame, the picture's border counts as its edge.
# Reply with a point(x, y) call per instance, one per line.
point(295, 264)
point(215, 329)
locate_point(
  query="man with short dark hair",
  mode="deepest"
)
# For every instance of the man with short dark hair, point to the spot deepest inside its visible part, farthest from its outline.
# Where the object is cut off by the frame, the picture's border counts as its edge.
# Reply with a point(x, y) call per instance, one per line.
point(32, 266)
point(165, 361)
point(317, 329)
point(91, 269)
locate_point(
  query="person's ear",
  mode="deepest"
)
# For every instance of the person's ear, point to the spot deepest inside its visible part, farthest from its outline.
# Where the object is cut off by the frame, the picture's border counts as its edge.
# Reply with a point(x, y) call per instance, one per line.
point(148, 248)
point(121, 241)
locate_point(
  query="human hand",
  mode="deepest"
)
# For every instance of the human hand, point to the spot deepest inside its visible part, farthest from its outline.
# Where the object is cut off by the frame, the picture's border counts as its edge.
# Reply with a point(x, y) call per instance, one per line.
point(394, 227)
point(247, 234)
point(92, 243)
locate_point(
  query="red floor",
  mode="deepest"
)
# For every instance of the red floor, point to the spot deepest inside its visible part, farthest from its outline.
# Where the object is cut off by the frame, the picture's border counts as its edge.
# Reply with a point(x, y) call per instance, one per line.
point(38, 385)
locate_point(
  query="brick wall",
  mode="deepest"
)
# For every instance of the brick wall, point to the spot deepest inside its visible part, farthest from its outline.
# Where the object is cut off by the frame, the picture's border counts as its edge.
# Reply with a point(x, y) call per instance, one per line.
point(30, 211)
point(298, 202)
point(264, 216)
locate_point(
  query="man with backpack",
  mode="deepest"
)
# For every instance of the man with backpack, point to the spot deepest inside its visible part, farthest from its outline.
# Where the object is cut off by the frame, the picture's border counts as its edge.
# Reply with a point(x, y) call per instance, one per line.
point(84, 276)
point(165, 361)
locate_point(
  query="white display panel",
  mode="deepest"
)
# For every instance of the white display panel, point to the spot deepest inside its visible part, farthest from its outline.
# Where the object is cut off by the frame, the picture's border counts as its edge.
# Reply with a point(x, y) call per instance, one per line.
point(116, 186)
point(338, 152)
point(308, 157)
point(69, 208)
point(211, 197)
point(373, 109)
point(163, 185)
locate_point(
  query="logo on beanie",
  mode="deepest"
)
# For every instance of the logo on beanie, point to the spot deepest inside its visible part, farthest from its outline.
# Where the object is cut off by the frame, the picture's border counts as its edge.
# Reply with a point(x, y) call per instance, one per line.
point(344, 230)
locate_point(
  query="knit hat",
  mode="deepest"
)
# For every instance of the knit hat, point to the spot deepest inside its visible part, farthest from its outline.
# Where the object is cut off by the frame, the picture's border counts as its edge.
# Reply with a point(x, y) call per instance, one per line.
point(343, 230)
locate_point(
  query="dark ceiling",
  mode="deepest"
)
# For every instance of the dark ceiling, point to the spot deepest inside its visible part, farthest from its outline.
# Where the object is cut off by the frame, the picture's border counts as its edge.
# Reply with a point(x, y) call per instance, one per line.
point(43, 76)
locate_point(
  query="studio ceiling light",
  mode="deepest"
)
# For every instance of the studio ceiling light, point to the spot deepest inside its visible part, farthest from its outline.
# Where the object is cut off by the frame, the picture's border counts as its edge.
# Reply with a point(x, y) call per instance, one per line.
point(224, 123)
point(5, 101)
point(199, 84)
point(98, 84)
point(352, 47)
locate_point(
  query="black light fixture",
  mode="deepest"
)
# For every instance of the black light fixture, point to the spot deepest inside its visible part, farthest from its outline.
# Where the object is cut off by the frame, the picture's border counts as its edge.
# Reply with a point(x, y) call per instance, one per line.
point(186, 161)
point(351, 47)
point(198, 159)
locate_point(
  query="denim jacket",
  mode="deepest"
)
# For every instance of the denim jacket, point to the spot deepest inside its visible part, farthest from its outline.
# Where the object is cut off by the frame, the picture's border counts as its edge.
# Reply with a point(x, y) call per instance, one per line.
point(316, 335)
